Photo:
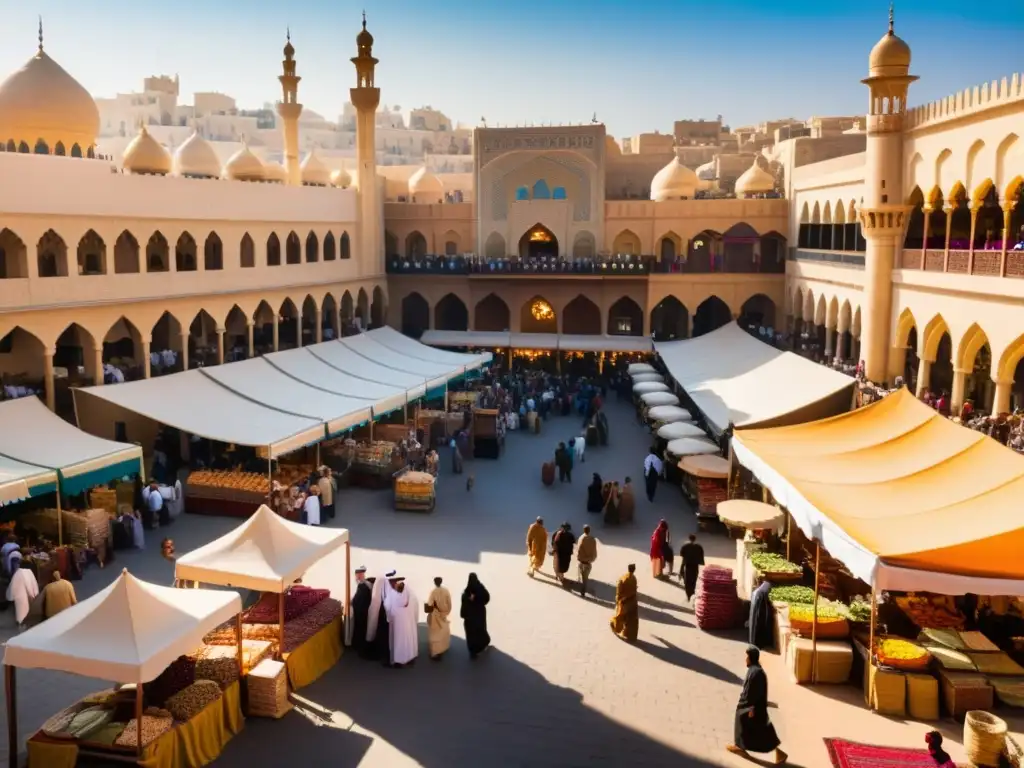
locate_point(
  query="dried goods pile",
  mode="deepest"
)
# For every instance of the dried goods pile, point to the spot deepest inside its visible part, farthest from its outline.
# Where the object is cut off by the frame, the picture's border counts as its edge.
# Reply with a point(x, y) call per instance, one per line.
point(188, 703)
point(179, 675)
point(223, 671)
point(296, 631)
point(297, 601)
point(718, 605)
point(935, 612)
point(152, 728)
point(232, 486)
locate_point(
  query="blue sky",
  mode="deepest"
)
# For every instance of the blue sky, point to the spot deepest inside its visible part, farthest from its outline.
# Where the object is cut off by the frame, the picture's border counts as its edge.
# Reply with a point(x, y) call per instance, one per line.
point(639, 64)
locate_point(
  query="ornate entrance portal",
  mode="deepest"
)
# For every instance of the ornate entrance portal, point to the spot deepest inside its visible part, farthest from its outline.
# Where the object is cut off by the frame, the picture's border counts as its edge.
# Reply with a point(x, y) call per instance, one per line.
point(538, 242)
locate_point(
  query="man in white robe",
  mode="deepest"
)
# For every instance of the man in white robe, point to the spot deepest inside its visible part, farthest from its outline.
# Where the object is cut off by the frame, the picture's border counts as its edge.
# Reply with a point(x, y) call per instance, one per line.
point(22, 591)
point(403, 622)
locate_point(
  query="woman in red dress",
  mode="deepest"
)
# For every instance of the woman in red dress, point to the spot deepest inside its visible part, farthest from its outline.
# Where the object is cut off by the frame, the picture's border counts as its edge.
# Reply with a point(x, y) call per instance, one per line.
point(660, 543)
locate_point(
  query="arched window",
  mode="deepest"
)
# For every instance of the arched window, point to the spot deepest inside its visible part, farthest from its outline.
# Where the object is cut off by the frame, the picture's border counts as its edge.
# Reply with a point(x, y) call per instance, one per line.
point(558, 193)
point(522, 193)
point(541, 191)
point(42, 148)
point(345, 246)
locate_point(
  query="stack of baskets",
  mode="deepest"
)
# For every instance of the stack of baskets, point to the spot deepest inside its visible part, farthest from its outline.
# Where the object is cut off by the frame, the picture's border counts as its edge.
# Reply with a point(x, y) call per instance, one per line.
point(268, 689)
point(984, 738)
point(104, 498)
point(718, 605)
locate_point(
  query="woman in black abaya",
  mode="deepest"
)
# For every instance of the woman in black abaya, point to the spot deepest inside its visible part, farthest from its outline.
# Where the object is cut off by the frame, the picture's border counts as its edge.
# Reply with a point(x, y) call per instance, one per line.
point(595, 495)
point(474, 614)
point(762, 621)
point(754, 731)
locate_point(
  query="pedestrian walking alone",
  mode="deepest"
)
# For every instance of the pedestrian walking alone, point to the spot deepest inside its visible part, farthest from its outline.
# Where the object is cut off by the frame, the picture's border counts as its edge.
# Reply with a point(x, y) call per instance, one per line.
point(652, 471)
point(754, 732)
point(536, 545)
point(474, 615)
point(626, 621)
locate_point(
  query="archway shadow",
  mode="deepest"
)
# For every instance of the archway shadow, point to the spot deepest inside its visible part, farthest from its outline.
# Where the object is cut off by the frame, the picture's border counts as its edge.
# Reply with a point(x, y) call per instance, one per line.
point(493, 711)
point(673, 654)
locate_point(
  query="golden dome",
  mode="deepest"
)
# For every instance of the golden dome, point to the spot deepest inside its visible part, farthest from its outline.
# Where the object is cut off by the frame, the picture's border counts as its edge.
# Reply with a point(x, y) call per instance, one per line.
point(244, 166)
point(364, 39)
point(754, 180)
point(341, 178)
point(891, 54)
point(275, 172)
point(707, 172)
point(314, 172)
point(41, 101)
point(673, 182)
point(146, 155)
point(426, 185)
point(196, 158)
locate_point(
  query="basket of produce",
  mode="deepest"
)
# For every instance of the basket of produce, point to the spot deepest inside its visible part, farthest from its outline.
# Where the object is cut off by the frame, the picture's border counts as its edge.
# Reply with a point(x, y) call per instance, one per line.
point(832, 623)
point(776, 568)
point(792, 595)
point(859, 609)
point(414, 491)
point(932, 612)
point(902, 654)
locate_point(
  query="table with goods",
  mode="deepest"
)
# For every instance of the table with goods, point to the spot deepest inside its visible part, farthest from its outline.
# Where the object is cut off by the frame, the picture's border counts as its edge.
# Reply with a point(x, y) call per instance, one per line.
point(488, 433)
point(309, 641)
point(705, 483)
point(415, 491)
point(188, 713)
point(85, 535)
point(231, 493)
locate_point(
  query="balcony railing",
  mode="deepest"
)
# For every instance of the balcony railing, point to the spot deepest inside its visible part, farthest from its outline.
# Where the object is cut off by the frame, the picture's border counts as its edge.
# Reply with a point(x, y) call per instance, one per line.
point(988, 263)
point(611, 266)
point(844, 258)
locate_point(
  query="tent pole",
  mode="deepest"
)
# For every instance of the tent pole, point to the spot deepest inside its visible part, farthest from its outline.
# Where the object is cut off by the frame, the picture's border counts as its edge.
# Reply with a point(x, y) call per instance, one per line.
point(789, 536)
point(11, 698)
point(138, 720)
point(348, 585)
point(318, 456)
point(874, 619)
point(814, 614)
point(280, 624)
point(238, 640)
point(60, 516)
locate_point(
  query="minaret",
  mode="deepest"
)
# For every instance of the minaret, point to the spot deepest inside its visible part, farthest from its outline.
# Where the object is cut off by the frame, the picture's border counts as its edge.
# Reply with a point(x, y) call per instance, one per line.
point(365, 98)
point(289, 109)
point(883, 213)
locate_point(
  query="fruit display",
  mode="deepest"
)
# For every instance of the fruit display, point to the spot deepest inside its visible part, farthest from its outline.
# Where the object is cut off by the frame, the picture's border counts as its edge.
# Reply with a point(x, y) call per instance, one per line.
point(377, 458)
point(931, 612)
point(231, 486)
point(414, 491)
point(769, 563)
point(792, 595)
point(860, 608)
point(832, 623)
point(901, 654)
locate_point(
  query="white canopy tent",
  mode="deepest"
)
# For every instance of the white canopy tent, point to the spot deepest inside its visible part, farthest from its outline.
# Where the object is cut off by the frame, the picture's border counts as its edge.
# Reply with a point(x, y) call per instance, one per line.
point(659, 398)
point(399, 342)
point(667, 414)
point(734, 378)
point(196, 403)
point(258, 380)
point(303, 365)
point(128, 632)
point(470, 339)
point(680, 429)
point(341, 358)
point(434, 374)
point(266, 553)
point(604, 343)
point(543, 341)
point(692, 446)
point(635, 368)
point(648, 377)
point(31, 433)
point(645, 387)
point(19, 481)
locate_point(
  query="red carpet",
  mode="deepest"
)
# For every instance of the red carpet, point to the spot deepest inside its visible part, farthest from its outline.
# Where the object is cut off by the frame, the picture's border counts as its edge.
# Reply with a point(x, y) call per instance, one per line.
point(850, 754)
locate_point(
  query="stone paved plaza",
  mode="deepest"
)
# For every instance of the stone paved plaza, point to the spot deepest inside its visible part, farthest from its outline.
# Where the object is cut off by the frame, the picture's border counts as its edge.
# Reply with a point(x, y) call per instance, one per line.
point(557, 688)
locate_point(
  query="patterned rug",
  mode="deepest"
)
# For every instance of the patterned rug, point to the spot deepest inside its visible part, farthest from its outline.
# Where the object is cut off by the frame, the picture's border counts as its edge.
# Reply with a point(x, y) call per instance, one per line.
point(850, 754)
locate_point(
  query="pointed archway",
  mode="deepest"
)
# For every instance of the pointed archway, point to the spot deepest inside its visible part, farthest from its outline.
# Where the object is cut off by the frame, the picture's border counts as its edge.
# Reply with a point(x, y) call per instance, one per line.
point(415, 315)
point(670, 320)
point(581, 316)
point(451, 314)
point(625, 318)
point(492, 314)
point(711, 315)
point(538, 316)
point(538, 242)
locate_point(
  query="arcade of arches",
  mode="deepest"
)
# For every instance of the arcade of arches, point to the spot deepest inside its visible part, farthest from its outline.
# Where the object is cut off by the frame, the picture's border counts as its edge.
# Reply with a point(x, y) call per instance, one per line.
point(103, 347)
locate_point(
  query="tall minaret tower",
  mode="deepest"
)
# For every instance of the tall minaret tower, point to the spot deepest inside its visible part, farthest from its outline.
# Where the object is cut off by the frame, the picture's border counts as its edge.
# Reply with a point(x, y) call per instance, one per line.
point(883, 214)
point(365, 98)
point(289, 109)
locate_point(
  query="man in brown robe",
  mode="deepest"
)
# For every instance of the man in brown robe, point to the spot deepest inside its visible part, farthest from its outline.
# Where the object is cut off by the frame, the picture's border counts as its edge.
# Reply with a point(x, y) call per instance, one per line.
point(627, 502)
point(536, 545)
point(58, 595)
point(439, 633)
point(626, 621)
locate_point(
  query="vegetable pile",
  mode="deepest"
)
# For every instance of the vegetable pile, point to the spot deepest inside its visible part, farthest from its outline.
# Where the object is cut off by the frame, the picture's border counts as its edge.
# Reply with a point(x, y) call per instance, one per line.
point(827, 612)
point(794, 595)
point(767, 562)
point(860, 609)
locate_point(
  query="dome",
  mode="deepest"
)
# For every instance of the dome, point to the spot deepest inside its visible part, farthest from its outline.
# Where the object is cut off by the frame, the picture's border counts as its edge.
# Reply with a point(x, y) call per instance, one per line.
point(146, 155)
point(314, 172)
point(754, 180)
point(244, 166)
point(674, 181)
point(891, 54)
point(425, 184)
point(341, 178)
point(364, 39)
point(275, 172)
point(41, 101)
point(707, 171)
point(196, 158)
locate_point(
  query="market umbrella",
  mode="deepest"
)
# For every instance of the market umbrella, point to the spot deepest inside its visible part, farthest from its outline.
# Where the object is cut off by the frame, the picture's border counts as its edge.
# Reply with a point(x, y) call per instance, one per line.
point(635, 368)
point(667, 414)
point(712, 467)
point(645, 387)
point(679, 429)
point(640, 378)
point(659, 398)
point(755, 515)
point(690, 446)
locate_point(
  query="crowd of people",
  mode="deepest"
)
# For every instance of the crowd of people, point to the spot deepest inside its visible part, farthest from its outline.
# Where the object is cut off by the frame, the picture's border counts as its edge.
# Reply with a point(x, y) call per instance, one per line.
point(472, 264)
point(385, 619)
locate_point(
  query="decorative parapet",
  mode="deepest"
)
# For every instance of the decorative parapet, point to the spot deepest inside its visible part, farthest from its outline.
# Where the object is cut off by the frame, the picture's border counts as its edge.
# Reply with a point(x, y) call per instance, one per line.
point(967, 102)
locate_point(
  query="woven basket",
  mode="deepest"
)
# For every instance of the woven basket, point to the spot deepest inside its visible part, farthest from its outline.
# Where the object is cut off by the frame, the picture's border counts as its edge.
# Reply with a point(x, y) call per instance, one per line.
point(984, 738)
point(268, 690)
point(827, 630)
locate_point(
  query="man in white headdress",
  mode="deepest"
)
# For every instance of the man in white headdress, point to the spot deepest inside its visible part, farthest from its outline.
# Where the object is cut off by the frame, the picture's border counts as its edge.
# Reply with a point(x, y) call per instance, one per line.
point(403, 622)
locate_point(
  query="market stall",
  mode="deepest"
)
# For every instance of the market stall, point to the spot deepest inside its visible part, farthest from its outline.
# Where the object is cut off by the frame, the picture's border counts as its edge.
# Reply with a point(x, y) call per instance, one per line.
point(918, 509)
point(401, 343)
point(734, 378)
point(20, 481)
point(704, 480)
point(660, 415)
point(434, 375)
point(646, 387)
point(651, 399)
point(131, 632)
point(343, 358)
point(270, 554)
point(415, 491)
point(304, 365)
